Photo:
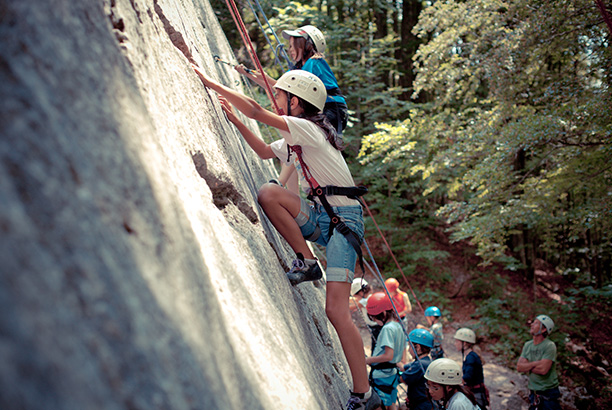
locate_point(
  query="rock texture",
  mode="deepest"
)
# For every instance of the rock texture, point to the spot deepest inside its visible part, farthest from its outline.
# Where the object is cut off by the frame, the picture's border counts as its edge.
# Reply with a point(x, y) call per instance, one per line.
point(136, 269)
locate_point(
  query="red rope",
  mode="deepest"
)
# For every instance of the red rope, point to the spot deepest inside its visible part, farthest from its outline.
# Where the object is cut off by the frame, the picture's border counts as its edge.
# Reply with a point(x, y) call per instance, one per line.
point(393, 256)
point(249, 46)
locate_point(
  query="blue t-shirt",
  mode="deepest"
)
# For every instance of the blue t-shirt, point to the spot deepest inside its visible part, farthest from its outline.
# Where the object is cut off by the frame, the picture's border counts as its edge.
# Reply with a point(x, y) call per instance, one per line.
point(472, 370)
point(392, 336)
point(321, 69)
point(414, 377)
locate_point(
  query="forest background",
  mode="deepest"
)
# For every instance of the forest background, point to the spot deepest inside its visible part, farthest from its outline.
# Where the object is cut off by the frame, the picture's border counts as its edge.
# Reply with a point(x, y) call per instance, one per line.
point(482, 129)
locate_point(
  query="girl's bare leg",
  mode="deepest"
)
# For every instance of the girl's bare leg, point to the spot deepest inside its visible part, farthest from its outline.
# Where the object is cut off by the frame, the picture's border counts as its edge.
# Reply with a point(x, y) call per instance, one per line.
point(337, 309)
point(281, 207)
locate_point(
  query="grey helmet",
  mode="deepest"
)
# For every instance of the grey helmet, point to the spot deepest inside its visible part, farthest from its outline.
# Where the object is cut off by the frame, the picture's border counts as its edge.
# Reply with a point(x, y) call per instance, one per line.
point(547, 322)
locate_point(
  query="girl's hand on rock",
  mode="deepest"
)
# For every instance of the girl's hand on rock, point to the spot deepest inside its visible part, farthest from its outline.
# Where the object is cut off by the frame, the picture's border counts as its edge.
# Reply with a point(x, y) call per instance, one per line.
point(229, 111)
point(205, 80)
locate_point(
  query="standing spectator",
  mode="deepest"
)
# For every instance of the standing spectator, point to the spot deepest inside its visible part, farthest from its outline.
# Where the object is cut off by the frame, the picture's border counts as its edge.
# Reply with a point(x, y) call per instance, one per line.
point(360, 293)
point(473, 375)
point(432, 315)
point(538, 361)
point(417, 397)
point(400, 298)
point(389, 350)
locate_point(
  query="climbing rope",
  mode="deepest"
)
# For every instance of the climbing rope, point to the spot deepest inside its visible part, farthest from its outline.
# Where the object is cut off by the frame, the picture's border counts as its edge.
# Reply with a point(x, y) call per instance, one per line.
point(379, 276)
point(280, 46)
point(249, 46)
point(392, 255)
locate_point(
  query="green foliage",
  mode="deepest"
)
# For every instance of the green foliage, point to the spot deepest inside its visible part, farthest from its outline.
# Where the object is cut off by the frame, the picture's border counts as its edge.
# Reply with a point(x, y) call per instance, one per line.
point(517, 134)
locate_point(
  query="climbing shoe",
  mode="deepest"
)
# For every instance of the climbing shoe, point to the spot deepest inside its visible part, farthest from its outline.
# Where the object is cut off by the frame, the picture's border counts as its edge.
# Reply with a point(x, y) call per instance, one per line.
point(364, 401)
point(304, 270)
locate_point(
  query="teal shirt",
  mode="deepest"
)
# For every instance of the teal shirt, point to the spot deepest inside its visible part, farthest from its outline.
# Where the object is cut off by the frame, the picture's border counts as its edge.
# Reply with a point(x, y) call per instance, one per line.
point(391, 335)
point(545, 350)
point(321, 69)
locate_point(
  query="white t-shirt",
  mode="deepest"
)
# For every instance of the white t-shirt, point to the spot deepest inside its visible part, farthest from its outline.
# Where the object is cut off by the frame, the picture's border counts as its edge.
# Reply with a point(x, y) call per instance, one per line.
point(459, 401)
point(326, 163)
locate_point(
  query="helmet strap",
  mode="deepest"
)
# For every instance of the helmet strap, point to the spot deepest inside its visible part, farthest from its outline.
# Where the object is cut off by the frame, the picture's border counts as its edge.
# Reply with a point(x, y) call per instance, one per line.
point(540, 330)
point(289, 97)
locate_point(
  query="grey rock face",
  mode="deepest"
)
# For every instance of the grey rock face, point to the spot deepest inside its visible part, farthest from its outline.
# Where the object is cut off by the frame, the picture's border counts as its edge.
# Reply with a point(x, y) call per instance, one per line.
point(136, 269)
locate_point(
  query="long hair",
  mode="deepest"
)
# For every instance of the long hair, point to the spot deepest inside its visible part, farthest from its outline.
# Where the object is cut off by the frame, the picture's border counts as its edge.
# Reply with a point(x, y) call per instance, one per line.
point(309, 50)
point(312, 113)
point(450, 391)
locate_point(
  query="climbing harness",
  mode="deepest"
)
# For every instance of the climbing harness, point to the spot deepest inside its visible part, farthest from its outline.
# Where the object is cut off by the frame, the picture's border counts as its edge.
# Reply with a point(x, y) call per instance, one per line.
point(315, 189)
point(385, 388)
point(321, 193)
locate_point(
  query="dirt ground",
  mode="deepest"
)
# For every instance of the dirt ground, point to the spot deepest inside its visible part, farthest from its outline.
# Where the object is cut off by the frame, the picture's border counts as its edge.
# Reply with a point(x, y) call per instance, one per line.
point(507, 388)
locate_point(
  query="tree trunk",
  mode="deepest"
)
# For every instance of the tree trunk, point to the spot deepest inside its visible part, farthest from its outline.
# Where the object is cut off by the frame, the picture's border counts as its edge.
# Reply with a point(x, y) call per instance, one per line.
point(409, 44)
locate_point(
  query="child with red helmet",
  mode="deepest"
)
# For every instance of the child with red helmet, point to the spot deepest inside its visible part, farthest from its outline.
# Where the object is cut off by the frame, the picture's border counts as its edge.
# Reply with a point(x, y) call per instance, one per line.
point(388, 351)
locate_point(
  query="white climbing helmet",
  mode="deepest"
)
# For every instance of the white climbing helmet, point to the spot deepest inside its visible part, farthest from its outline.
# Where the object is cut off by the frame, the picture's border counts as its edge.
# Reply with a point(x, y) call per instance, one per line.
point(466, 335)
point(358, 285)
point(308, 31)
point(444, 371)
point(305, 85)
point(547, 322)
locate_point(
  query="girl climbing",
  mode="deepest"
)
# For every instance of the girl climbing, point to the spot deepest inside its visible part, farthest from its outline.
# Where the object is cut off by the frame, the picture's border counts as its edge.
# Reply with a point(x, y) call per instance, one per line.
point(306, 48)
point(309, 141)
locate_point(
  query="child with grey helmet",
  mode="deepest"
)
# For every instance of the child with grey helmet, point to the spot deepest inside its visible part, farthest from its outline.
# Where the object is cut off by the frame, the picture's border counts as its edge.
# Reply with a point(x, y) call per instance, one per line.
point(302, 96)
point(445, 385)
point(473, 374)
point(417, 397)
point(538, 361)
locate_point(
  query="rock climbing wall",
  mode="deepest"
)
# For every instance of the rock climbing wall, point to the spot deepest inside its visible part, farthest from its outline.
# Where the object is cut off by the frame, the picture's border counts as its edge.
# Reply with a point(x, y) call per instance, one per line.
point(136, 269)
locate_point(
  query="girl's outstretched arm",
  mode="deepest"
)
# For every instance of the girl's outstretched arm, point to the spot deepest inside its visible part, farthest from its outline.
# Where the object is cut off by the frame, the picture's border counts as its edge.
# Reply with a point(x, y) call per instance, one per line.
point(255, 76)
point(244, 104)
point(257, 144)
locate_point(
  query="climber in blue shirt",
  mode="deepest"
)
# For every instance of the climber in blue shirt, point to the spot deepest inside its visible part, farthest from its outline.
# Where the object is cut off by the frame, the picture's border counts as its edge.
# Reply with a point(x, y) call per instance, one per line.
point(306, 48)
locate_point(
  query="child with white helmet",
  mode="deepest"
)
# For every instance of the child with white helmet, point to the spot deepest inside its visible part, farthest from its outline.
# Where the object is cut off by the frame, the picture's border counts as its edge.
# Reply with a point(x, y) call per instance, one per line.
point(302, 96)
point(445, 384)
point(433, 315)
point(360, 293)
point(306, 47)
point(473, 374)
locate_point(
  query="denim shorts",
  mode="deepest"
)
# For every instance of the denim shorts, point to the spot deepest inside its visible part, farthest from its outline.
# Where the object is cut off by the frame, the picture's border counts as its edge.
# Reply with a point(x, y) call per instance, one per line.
point(341, 256)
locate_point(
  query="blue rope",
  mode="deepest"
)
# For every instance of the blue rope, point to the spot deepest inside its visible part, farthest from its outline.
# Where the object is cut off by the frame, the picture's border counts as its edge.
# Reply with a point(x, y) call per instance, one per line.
point(379, 276)
point(280, 45)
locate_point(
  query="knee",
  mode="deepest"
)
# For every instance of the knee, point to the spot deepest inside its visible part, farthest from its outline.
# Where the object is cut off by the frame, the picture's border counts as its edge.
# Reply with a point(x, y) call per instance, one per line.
point(267, 193)
point(336, 316)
